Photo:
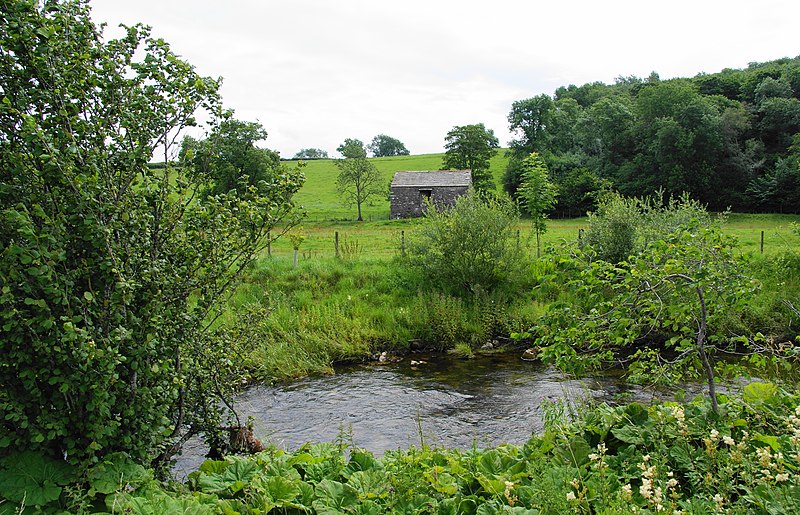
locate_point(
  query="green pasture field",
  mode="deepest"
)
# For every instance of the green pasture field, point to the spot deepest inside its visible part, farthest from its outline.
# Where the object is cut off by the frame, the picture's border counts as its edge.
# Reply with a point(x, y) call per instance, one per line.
point(323, 203)
point(380, 237)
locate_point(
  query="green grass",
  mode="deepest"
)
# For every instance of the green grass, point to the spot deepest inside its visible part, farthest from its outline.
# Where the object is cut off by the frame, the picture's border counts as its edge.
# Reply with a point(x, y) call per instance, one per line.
point(323, 202)
point(380, 237)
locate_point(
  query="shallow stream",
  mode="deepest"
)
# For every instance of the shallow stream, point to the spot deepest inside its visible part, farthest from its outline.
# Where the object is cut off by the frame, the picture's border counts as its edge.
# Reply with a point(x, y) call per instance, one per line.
point(438, 400)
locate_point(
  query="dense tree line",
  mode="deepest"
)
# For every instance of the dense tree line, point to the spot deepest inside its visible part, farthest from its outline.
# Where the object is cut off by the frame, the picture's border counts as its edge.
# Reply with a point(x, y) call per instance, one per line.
point(730, 139)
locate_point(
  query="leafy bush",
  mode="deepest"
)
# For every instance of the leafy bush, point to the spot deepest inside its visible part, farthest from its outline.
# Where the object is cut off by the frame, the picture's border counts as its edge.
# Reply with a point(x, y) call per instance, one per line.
point(469, 248)
point(624, 226)
point(111, 271)
point(612, 228)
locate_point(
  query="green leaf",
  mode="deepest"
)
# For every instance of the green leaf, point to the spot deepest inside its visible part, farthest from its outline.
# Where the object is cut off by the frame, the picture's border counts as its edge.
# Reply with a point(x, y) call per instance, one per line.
point(770, 440)
point(576, 452)
point(116, 472)
point(231, 480)
point(33, 478)
point(282, 491)
point(369, 483)
point(333, 497)
point(629, 434)
point(760, 392)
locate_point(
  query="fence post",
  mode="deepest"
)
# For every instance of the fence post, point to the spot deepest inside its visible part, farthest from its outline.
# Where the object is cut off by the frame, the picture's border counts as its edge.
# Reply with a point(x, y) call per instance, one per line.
point(336, 243)
point(269, 243)
point(762, 242)
point(403, 243)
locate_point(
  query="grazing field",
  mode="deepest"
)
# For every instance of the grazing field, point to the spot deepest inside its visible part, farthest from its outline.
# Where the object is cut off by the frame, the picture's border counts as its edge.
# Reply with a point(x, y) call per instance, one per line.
point(381, 237)
point(323, 203)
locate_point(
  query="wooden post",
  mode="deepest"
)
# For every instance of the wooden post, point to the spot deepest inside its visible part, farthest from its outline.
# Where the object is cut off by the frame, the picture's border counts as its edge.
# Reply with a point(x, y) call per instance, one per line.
point(403, 243)
point(336, 243)
point(294, 262)
point(517, 239)
point(269, 243)
point(762, 242)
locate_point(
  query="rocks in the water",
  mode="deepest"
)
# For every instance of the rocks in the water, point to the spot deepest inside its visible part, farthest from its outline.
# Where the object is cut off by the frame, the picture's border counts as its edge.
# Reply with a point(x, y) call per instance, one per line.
point(417, 362)
point(531, 354)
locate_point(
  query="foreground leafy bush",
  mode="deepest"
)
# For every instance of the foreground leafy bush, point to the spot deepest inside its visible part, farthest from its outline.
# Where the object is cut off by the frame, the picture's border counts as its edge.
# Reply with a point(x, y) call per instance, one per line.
point(110, 270)
point(667, 458)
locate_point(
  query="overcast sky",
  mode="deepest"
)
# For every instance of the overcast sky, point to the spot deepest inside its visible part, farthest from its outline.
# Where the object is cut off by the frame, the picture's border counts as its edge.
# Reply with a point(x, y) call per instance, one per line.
point(314, 72)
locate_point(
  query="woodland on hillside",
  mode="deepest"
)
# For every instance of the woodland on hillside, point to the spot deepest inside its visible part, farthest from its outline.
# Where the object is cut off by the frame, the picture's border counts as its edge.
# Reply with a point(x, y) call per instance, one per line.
point(730, 139)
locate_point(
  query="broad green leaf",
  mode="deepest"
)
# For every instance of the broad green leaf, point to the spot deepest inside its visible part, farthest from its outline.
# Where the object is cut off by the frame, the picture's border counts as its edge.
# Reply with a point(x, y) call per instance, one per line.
point(628, 434)
point(333, 496)
point(282, 491)
point(576, 452)
point(33, 478)
point(369, 483)
point(770, 440)
point(360, 460)
point(760, 392)
point(114, 473)
point(231, 480)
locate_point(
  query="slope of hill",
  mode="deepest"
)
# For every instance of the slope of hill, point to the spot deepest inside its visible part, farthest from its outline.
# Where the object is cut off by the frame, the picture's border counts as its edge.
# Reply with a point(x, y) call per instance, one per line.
point(322, 201)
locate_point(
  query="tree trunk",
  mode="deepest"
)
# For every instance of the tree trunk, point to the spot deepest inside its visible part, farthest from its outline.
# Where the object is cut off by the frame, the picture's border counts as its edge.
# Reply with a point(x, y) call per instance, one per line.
point(701, 349)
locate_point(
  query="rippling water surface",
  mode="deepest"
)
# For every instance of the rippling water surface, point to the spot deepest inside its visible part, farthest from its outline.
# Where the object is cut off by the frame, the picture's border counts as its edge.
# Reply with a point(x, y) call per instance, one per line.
point(441, 401)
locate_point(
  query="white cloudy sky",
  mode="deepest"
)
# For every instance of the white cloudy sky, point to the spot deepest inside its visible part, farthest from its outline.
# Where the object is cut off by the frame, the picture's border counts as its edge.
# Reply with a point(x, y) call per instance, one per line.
point(315, 72)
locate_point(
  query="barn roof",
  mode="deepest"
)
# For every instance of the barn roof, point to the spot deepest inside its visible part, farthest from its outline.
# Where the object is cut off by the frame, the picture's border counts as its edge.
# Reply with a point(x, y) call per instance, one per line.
point(433, 178)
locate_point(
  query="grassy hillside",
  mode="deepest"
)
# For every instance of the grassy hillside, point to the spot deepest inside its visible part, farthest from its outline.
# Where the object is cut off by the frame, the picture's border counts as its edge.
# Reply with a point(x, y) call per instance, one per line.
point(323, 203)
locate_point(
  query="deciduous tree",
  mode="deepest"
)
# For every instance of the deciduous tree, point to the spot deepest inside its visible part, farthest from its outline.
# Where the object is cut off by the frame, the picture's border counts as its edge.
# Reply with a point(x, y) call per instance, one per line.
point(358, 178)
point(311, 153)
point(112, 272)
point(472, 147)
point(537, 194)
point(229, 160)
point(385, 146)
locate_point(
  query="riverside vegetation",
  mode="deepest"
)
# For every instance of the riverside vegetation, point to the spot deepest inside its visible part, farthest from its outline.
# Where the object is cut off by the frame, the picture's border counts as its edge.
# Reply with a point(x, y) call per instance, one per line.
point(126, 325)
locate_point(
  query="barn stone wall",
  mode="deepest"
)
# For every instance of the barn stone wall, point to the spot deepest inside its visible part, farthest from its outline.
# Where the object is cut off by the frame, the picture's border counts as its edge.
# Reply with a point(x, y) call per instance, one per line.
point(408, 201)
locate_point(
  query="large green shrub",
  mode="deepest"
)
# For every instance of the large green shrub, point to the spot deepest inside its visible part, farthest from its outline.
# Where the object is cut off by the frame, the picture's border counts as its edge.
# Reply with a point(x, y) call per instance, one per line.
point(623, 226)
point(470, 247)
point(110, 270)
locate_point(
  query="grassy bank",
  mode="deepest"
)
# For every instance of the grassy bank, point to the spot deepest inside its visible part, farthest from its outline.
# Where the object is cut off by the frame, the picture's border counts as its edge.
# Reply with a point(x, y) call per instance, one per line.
point(329, 310)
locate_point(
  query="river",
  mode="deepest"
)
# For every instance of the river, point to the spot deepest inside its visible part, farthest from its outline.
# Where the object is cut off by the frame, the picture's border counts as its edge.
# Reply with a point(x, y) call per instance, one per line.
point(439, 400)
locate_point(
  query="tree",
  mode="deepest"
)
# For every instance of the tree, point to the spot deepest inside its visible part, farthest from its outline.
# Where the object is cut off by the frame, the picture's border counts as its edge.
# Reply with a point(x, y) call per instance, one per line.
point(664, 307)
point(358, 178)
point(469, 248)
point(352, 148)
point(311, 153)
point(472, 147)
point(386, 146)
point(229, 160)
point(112, 272)
point(529, 119)
point(538, 195)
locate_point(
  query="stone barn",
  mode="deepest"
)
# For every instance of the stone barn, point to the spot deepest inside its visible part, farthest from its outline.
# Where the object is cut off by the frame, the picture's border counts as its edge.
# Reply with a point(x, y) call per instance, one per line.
point(410, 190)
